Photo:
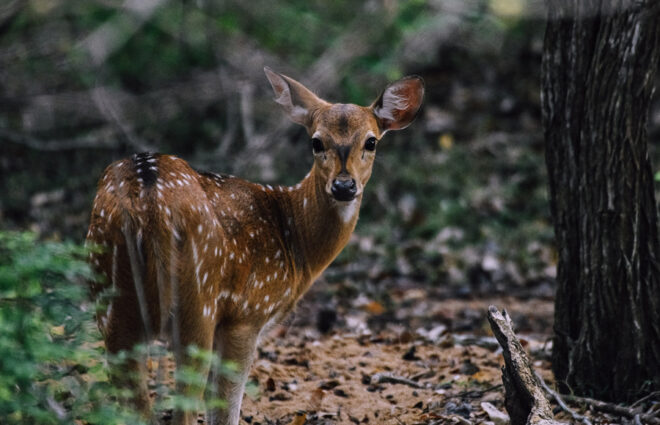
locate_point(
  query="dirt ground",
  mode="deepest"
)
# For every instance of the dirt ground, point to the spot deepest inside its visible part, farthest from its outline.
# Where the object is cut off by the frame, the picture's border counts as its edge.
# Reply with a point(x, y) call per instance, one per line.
point(396, 375)
point(432, 361)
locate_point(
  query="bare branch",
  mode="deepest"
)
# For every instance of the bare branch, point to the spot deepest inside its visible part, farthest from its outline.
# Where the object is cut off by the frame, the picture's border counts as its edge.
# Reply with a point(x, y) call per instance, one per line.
point(389, 378)
point(103, 138)
point(112, 35)
point(109, 105)
point(622, 411)
point(560, 401)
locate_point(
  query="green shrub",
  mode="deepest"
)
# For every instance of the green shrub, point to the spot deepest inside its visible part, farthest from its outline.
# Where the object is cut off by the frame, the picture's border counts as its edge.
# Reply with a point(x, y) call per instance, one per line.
point(52, 368)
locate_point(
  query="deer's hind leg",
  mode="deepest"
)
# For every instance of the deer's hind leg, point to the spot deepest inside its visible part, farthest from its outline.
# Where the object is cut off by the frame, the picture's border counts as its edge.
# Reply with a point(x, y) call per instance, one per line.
point(123, 332)
point(234, 343)
point(191, 328)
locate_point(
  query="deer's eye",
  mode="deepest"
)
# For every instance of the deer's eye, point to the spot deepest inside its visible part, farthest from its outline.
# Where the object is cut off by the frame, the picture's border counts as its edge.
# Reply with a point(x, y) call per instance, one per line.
point(317, 145)
point(370, 144)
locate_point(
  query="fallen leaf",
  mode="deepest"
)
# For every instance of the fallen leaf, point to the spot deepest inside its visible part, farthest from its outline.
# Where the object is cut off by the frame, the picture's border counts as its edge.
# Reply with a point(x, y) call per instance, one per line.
point(316, 398)
point(410, 354)
point(340, 393)
point(374, 307)
point(328, 385)
point(499, 418)
point(57, 330)
point(299, 419)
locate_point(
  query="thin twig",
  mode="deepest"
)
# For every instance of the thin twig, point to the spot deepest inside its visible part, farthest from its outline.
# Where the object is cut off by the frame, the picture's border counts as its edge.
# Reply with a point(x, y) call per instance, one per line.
point(56, 408)
point(109, 105)
point(647, 397)
point(103, 138)
point(576, 416)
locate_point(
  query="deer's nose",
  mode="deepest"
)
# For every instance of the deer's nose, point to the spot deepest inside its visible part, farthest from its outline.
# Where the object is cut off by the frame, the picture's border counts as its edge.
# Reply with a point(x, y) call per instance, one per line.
point(344, 189)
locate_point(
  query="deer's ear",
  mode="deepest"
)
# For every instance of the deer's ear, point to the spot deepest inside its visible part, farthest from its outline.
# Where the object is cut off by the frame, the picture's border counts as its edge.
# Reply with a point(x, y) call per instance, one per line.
point(399, 103)
point(298, 101)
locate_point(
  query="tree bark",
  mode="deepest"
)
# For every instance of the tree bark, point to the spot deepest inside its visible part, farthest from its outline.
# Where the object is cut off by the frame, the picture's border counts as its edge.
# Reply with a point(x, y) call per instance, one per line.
point(599, 64)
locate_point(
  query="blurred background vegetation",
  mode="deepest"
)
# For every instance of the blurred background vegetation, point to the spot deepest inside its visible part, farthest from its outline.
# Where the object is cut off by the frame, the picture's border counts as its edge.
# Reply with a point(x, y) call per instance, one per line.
point(456, 201)
point(458, 198)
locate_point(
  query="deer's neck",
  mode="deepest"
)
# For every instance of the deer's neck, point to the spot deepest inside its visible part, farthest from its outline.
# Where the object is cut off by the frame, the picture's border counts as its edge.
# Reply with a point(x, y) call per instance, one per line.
point(323, 226)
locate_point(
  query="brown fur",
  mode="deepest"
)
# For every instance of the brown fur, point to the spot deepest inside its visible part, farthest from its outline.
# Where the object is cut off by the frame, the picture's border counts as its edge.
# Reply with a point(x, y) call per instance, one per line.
point(209, 260)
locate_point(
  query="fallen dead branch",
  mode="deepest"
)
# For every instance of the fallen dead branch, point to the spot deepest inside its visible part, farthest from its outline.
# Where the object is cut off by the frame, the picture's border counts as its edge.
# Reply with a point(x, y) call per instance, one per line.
point(576, 416)
point(524, 397)
point(622, 411)
point(388, 378)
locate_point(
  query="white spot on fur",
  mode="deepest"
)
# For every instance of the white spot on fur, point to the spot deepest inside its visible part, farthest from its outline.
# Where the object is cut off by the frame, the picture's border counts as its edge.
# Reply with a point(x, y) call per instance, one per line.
point(196, 261)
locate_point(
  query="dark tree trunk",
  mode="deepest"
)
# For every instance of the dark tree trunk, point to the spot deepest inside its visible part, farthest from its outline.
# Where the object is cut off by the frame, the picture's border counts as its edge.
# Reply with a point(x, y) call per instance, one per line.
point(599, 64)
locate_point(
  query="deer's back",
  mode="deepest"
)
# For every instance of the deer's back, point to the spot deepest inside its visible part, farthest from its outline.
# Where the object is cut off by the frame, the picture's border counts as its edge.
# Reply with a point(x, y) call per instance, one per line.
point(214, 245)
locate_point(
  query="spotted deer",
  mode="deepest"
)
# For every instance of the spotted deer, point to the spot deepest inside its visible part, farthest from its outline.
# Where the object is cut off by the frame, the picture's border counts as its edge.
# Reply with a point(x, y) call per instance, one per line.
point(211, 260)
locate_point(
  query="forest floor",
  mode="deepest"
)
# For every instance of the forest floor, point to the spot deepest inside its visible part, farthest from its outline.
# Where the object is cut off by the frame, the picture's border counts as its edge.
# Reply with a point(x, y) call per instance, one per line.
point(437, 376)
point(431, 361)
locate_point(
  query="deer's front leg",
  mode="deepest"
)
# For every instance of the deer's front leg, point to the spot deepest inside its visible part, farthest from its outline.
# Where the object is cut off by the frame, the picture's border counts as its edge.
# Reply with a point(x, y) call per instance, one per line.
point(236, 344)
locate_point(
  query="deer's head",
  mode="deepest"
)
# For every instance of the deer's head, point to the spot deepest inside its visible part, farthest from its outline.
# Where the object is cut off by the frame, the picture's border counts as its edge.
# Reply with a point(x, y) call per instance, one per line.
point(344, 137)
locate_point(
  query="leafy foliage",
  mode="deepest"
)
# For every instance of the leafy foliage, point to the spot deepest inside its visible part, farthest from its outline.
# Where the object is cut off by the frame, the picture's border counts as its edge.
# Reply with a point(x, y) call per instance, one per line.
point(51, 372)
point(54, 367)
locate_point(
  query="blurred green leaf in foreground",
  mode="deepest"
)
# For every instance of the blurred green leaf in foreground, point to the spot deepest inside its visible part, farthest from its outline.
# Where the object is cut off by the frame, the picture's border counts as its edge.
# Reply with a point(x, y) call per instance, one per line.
point(52, 367)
